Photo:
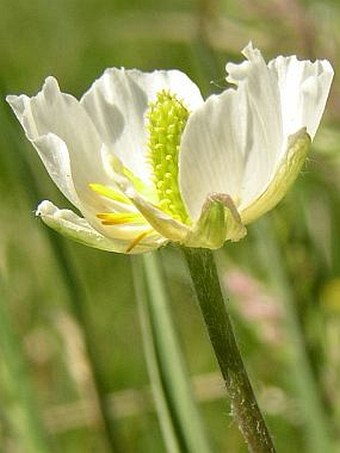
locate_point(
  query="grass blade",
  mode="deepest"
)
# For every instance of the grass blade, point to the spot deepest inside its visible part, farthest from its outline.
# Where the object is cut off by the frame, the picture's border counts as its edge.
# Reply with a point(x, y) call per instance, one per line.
point(32, 437)
point(316, 431)
point(179, 417)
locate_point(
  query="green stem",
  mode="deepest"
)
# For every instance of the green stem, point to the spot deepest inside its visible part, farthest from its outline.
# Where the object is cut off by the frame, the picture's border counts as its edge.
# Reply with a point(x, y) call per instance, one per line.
point(243, 403)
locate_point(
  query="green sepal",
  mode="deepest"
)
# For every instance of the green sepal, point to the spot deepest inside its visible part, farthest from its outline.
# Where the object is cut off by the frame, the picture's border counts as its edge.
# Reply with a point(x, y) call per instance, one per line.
point(286, 174)
point(219, 222)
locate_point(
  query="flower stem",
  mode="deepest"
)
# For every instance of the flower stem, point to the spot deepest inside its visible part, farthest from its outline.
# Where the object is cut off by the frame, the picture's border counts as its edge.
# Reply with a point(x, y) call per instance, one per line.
point(243, 403)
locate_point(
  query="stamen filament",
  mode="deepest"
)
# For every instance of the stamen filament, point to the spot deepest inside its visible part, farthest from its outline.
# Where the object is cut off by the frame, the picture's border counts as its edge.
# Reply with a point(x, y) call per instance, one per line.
point(137, 240)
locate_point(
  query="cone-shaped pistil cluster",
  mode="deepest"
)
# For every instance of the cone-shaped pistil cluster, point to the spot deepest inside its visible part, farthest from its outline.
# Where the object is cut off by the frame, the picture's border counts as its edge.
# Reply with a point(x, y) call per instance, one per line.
point(167, 118)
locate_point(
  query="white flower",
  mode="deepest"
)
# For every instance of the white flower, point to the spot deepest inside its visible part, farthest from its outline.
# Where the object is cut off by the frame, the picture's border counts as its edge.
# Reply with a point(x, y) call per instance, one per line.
point(146, 160)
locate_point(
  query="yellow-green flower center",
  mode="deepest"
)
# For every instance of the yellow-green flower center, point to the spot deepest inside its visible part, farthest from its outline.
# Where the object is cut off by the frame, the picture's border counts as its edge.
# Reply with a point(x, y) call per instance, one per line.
point(167, 118)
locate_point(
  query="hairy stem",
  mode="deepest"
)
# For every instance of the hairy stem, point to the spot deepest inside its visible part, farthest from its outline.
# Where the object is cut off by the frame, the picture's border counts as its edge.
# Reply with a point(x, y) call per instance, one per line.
point(242, 399)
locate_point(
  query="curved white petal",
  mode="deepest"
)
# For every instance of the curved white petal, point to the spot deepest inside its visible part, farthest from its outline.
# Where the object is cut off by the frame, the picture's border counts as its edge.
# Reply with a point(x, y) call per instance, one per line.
point(53, 112)
point(54, 154)
point(265, 112)
point(284, 96)
point(117, 103)
point(304, 88)
point(163, 223)
point(262, 92)
point(213, 147)
point(236, 141)
point(69, 224)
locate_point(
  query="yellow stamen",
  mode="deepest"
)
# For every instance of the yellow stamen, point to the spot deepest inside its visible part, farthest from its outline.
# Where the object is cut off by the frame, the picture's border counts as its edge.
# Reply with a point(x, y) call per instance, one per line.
point(109, 218)
point(137, 240)
point(108, 192)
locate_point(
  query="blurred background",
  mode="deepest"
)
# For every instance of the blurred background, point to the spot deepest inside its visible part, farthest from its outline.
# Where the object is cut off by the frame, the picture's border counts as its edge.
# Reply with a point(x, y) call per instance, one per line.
point(72, 367)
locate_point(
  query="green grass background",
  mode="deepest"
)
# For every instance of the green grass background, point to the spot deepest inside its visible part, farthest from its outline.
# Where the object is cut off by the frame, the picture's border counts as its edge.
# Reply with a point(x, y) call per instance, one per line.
point(291, 257)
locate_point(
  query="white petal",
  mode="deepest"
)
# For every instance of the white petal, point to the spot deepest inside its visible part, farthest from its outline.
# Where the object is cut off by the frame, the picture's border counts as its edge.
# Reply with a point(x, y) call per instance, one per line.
point(231, 144)
point(268, 142)
point(213, 148)
point(163, 223)
point(78, 229)
point(284, 97)
point(304, 88)
point(54, 154)
point(261, 89)
point(53, 112)
point(117, 103)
